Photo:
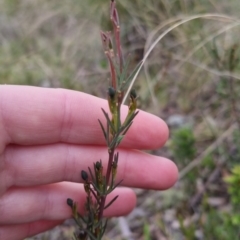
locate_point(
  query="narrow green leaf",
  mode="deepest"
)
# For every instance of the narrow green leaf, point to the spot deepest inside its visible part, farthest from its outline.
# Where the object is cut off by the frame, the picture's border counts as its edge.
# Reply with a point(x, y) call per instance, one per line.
point(119, 139)
point(127, 128)
point(114, 140)
point(130, 118)
point(123, 75)
point(107, 135)
point(90, 171)
point(130, 77)
point(108, 120)
point(82, 218)
point(97, 189)
point(103, 130)
point(119, 118)
point(111, 189)
point(91, 235)
point(117, 71)
point(111, 202)
point(104, 228)
point(128, 121)
point(95, 196)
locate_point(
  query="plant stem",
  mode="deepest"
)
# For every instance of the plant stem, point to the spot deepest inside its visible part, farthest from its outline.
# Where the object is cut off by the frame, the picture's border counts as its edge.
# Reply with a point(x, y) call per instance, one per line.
point(92, 224)
point(109, 167)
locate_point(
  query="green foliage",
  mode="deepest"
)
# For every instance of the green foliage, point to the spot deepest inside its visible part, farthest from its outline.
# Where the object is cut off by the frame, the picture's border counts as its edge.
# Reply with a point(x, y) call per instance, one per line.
point(208, 162)
point(213, 224)
point(188, 232)
point(146, 232)
point(233, 185)
point(183, 145)
point(219, 225)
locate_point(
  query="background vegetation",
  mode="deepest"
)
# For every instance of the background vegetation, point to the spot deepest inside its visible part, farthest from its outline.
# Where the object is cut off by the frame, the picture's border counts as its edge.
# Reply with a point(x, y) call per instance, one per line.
point(190, 79)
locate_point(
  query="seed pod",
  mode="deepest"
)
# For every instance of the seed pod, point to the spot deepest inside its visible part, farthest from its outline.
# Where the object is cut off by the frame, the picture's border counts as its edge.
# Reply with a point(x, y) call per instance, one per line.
point(84, 175)
point(111, 92)
point(98, 165)
point(70, 202)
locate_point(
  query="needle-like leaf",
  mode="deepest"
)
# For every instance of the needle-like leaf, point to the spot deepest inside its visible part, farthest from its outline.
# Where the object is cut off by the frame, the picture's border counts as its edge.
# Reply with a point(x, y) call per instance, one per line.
point(103, 130)
point(111, 202)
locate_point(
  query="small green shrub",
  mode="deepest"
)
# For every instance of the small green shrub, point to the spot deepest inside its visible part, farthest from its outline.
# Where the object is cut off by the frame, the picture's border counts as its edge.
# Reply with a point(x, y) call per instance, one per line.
point(233, 181)
point(219, 225)
point(183, 145)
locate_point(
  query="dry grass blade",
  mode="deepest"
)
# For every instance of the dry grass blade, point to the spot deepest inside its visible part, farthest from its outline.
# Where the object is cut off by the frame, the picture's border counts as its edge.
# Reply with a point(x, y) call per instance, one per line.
point(208, 39)
point(161, 36)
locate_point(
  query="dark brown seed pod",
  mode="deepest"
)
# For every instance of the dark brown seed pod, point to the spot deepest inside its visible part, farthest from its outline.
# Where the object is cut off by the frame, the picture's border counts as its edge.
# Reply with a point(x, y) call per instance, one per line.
point(111, 92)
point(84, 175)
point(70, 202)
point(98, 165)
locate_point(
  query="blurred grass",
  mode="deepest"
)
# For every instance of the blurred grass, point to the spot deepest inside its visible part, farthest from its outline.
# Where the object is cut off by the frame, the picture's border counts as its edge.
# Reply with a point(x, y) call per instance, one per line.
point(57, 44)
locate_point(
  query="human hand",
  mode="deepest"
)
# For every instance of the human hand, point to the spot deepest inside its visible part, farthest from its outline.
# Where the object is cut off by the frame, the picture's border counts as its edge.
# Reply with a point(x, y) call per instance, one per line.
point(47, 137)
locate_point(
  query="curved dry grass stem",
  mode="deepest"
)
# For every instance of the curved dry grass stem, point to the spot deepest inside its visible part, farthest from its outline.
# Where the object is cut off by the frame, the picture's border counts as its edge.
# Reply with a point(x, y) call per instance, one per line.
point(161, 36)
point(208, 39)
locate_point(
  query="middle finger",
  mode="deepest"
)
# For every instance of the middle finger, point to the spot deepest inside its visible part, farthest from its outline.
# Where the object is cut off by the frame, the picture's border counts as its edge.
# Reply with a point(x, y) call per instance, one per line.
point(37, 165)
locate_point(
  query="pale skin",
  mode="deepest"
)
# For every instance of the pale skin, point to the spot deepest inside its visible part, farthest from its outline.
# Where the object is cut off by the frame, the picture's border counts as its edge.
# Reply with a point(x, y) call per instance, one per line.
point(47, 136)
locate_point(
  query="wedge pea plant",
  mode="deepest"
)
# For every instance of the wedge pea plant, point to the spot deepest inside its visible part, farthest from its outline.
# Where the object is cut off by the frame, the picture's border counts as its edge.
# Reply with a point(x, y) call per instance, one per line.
point(99, 182)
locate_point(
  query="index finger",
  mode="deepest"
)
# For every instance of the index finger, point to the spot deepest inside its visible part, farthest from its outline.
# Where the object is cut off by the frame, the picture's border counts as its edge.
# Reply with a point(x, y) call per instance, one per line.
point(33, 115)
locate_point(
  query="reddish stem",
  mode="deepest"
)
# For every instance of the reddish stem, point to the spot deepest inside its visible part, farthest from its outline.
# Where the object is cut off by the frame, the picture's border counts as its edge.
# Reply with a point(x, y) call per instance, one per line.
point(109, 167)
